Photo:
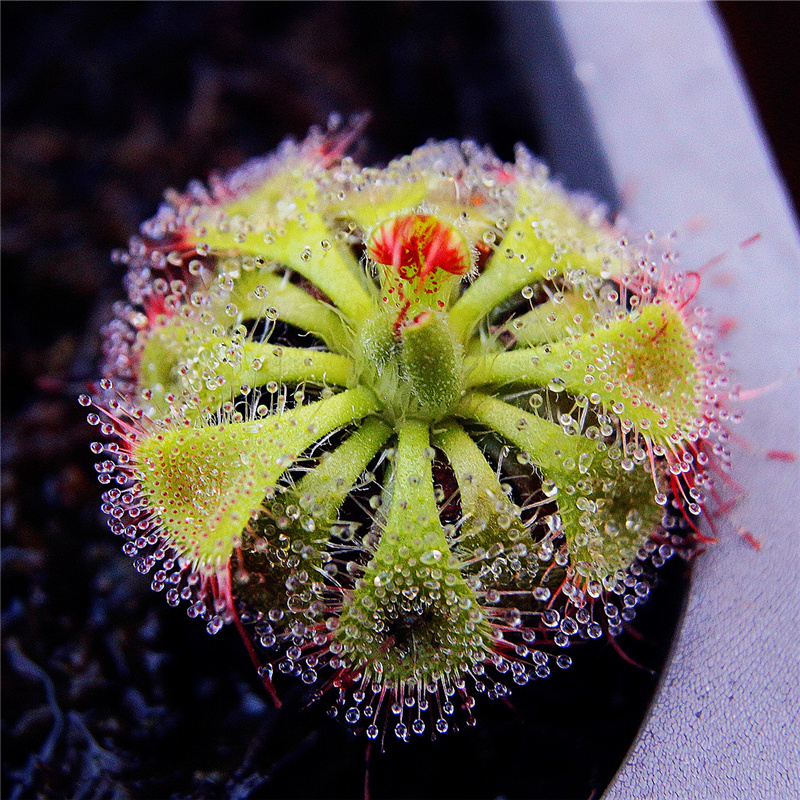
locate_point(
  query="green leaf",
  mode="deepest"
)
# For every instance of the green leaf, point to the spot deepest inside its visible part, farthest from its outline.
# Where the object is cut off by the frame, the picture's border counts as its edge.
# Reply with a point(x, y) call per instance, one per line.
point(607, 503)
point(205, 483)
point(413, 614)
point(641, 366)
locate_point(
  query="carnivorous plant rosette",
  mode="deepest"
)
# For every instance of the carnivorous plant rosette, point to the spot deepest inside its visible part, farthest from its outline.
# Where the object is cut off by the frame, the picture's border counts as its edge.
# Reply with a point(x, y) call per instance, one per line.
point(413, 429)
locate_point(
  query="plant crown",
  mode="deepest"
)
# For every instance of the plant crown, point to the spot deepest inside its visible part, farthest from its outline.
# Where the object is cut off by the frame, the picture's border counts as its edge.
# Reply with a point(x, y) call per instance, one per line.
point(414, 429)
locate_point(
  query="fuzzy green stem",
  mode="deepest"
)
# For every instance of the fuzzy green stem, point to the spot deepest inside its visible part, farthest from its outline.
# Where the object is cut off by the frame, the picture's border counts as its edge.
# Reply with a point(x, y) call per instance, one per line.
point(531, 252)
point(413, 498)
point(257, 292)
point(431, 362)
point(549, 448)
point(417, 372)
point(262, 363)
point(323, 490)
point(302, 243)
point(554, 319)
point(179, 358)
point(489, 518)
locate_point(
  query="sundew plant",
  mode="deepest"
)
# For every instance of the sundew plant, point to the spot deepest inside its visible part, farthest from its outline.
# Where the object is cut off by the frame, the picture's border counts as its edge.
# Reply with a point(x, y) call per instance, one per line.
point(415, 430)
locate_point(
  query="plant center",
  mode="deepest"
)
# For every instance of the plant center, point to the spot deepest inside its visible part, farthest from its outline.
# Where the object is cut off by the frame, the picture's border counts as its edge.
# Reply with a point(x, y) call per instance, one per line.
point(406, 351)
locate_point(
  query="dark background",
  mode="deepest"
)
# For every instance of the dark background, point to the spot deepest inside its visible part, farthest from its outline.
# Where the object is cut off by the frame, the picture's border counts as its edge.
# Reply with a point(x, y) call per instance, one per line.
point(107, 692)
point(766, 39)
